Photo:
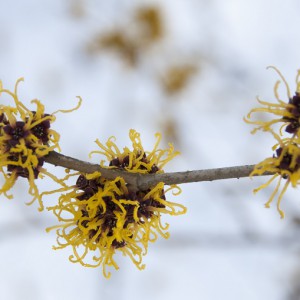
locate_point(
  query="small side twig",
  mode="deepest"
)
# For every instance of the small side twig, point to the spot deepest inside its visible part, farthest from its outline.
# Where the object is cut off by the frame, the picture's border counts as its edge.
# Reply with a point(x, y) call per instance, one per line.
point(144, 181)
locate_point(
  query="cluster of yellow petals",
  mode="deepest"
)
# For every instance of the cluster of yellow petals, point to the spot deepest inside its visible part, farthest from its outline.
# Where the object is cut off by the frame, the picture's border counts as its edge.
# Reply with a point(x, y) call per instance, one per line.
point(114, 218)
point(98, 217)
point(25, 153)
point(280, 110)
point(285, 164)
point(157, 157)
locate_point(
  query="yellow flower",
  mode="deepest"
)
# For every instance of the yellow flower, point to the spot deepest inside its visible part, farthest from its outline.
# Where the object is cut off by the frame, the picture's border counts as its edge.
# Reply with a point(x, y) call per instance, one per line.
point(286, 113)
point(100, 217)
point(177, 77)
point(25, 139)
point(150, 22)
point(285, 165)
point(147, 25)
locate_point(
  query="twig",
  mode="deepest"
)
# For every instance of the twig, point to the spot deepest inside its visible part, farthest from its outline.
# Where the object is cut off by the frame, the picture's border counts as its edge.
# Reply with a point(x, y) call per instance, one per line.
point(143, 181)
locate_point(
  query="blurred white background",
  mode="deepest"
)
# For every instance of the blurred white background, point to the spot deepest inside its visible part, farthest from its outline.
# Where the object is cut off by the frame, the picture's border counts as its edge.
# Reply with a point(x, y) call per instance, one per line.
point(228, 246)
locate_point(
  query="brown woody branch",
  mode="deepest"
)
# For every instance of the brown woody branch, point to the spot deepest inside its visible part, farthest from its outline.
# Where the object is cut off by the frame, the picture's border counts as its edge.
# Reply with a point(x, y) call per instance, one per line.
point(143, 181)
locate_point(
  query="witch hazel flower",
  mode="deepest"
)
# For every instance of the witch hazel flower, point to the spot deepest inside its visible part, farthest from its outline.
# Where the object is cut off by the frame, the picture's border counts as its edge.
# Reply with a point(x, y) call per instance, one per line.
point(100, 217)
point(26, 137)
point(284, 165)
point(286, 113)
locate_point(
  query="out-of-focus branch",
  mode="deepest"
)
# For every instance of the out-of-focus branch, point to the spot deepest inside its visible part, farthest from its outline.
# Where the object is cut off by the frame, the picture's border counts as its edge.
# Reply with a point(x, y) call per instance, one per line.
point(143, 181)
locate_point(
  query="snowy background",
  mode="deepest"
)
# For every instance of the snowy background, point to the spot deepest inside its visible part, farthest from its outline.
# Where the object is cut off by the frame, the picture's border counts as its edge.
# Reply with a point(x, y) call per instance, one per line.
point(228, 246)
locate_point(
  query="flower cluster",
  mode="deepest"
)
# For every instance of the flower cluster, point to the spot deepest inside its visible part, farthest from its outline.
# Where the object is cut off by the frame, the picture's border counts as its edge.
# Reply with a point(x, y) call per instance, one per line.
point(133, 38)
point(177, 77)
point(100, 216)
point(26, 138)
point(285, 163)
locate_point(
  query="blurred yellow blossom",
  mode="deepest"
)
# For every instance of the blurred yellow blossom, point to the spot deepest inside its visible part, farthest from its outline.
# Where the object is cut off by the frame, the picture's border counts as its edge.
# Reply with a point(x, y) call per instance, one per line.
point(132, 38)
point(177, 77)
